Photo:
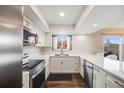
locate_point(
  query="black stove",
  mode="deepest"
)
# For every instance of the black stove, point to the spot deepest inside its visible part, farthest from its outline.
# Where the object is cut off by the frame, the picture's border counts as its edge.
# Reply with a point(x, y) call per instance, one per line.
point(32, 63)
point(36, 67)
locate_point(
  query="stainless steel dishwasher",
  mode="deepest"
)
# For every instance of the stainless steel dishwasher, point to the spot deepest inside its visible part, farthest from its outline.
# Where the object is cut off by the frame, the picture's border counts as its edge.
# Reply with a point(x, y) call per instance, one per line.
point(88, 73)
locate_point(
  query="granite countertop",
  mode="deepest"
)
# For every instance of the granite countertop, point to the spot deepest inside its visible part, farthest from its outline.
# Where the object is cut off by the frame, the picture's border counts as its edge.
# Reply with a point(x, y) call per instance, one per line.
point(116, 68)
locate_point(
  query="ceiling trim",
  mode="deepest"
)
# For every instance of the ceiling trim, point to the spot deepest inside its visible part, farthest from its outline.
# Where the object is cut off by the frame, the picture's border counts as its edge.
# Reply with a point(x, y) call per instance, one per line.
point(40, 15)
point(84, 14)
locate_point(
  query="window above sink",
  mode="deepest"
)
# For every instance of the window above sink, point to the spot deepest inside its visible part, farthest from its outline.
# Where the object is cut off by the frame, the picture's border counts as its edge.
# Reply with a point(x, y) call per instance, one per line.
point(62, 42)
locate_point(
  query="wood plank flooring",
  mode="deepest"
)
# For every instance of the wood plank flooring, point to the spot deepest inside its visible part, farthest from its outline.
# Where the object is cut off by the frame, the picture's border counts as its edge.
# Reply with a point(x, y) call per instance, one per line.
point(77, 82)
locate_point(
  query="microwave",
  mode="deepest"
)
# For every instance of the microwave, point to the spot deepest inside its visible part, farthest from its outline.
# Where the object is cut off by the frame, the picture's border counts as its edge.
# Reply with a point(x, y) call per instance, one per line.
point(29, 38)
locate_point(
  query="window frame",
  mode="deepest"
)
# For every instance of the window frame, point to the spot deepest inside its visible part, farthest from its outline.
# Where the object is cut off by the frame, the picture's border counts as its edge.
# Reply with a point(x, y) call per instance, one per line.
point(63, 49)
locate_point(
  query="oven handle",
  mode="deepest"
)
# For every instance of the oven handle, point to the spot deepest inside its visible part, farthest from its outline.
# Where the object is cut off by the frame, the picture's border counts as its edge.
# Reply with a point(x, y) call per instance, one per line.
point(34, 75)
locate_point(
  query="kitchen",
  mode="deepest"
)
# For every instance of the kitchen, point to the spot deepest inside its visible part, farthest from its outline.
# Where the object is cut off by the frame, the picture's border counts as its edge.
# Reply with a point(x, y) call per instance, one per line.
point(66, 49)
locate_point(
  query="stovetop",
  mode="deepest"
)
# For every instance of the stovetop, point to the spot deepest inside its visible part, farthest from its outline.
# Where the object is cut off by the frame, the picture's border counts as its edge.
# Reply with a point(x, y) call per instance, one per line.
point(32, 63)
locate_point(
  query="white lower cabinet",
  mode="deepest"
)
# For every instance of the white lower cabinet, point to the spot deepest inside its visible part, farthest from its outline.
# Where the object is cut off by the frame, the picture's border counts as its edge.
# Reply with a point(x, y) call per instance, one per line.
point(113, 82)
point(67, 65)
point(82, 67)
point(47, 70)
point(98, 78)
point(64, 64)
point(25, 78)
point(101, 79)
point(55, 65)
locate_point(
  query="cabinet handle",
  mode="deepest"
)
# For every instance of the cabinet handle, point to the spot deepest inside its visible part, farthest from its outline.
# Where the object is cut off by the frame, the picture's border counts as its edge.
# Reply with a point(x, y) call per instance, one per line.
point(61, 62)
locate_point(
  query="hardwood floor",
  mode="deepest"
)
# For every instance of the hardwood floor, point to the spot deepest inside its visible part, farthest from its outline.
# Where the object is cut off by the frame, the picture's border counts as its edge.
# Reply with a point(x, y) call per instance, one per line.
point(76, 82)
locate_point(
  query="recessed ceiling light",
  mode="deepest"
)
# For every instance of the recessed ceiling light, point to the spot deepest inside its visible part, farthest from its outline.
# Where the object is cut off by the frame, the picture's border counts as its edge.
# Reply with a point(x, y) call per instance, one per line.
point(61, 14)
point(95, 25)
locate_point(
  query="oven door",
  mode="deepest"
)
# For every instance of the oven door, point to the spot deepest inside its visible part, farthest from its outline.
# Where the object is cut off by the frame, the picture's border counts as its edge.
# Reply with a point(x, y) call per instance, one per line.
point(38, 80)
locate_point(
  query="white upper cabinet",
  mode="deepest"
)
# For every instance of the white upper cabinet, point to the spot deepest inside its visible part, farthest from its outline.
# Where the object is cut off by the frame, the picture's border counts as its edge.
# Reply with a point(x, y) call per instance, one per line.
point(33, 13)
point(29, 24)
point(44, 39)
point(33, 19)
point(41, 37)
point(48, 39)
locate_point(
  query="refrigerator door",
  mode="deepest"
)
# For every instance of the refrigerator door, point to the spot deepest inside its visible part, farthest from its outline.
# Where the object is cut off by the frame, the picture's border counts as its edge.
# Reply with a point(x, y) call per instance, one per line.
point(11, 41)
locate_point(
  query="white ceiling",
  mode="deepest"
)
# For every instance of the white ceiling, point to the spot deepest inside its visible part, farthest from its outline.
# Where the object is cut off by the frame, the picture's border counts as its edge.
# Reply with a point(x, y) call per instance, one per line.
point(82, 17)
point(117, 25)
point(103, 16)
point(51, 14)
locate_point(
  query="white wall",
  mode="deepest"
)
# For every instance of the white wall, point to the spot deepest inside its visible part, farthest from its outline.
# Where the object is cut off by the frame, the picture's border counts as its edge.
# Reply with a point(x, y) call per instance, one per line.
point(62, 29)
point(81, 44)
point(87, 44)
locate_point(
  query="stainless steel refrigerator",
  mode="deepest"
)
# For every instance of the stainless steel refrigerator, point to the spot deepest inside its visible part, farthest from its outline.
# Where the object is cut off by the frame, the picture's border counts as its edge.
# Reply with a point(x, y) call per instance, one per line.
point(11, 24)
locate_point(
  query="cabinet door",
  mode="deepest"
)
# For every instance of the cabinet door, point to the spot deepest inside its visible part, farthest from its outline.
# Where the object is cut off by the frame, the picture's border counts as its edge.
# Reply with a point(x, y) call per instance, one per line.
point(82, 68)
point(67, 67)
point(47, 71)
point(55, 65)
point(26, 22)
point(98, 78)
point(41, 37)
point(76, 64)
point(48, 39)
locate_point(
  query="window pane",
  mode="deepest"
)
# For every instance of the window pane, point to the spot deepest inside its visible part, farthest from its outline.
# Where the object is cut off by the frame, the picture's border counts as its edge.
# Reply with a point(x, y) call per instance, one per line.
point(62, 42)
point(111, 40)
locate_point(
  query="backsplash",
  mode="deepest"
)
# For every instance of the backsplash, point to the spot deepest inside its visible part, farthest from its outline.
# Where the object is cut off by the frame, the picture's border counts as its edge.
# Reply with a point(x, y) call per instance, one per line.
point(33, 51)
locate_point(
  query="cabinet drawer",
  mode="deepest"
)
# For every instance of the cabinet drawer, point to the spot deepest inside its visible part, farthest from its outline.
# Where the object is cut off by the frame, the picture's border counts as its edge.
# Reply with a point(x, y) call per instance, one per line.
point(67, 59)
point(76, 59)
point(114, 82)
point(61, 59)
point(55, 59)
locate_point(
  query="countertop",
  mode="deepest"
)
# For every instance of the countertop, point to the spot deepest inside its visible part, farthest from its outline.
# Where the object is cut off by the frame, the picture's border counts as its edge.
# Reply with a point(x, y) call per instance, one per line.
point(115, 68)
